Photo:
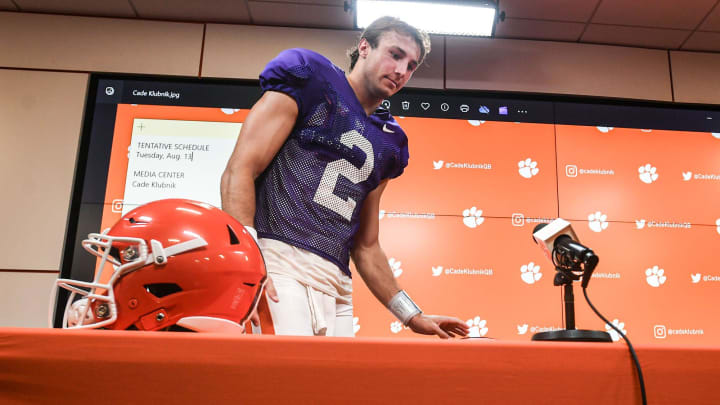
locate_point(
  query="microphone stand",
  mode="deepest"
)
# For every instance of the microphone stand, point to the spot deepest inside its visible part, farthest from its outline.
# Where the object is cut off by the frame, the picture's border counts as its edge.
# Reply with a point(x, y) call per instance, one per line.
point(565, 277)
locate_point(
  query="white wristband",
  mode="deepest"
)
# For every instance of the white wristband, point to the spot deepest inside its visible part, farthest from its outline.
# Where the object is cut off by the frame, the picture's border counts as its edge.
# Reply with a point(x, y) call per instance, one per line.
point(252, 232)
point(403, 307)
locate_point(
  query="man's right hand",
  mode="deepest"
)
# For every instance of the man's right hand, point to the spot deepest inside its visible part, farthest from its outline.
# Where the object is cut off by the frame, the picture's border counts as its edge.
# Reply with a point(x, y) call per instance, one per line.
point(271, 293)
point(442, 326)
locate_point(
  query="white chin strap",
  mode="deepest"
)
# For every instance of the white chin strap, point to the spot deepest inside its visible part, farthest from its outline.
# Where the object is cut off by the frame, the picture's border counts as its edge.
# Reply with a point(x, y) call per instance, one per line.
point(79, 314)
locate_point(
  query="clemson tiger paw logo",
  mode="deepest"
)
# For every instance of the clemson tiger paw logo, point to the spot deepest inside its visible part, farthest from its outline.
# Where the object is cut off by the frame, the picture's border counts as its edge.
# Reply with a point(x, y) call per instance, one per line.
point(655, 276)
point(395, 267)
point(477, 327)
point(597, 221)
point(530, 273)
point(614, 335)
point(648, 173)
point(528, 168)
point(396, 327)
point(472, 217)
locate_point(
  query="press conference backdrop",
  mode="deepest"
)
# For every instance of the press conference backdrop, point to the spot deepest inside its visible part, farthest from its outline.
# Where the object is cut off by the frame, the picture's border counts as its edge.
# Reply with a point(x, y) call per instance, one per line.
point(640, 183)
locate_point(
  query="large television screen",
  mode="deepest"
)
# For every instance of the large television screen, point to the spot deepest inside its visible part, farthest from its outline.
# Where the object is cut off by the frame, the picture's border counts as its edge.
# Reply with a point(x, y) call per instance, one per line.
point(639, 181)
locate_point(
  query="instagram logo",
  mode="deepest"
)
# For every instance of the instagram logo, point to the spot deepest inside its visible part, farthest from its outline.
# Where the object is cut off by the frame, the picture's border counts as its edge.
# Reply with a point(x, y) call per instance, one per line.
point(571, 171)
point(660, 331)
point(117, 206)
point(518, 219)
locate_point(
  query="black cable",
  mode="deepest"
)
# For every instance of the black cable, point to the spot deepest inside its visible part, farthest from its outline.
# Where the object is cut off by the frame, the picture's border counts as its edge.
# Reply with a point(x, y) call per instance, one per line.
point(562, 307)
point(632, 350)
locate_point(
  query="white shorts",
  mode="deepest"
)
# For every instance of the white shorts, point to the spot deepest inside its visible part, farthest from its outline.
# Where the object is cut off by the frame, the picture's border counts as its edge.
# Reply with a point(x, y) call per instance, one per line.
point(315, 296)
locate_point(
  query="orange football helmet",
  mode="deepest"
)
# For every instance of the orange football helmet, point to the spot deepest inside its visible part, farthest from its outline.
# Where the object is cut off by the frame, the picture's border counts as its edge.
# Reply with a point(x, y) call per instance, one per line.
point(174, 262)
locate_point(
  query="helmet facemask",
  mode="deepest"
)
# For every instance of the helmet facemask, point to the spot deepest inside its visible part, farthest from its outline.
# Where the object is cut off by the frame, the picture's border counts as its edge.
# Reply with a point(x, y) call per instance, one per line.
point(97, 304)
point(96, 294)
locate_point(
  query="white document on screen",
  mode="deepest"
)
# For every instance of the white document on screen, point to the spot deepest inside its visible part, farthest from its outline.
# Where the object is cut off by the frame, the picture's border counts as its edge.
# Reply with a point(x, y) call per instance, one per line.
point(177, 159)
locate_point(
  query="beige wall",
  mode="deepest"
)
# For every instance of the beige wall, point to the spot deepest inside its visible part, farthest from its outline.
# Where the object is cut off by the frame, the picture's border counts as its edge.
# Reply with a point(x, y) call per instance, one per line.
point(44, 65)
point(25, 298)
point(557, 67)
point(99, 44)
point(696, 77)
point(40, 118)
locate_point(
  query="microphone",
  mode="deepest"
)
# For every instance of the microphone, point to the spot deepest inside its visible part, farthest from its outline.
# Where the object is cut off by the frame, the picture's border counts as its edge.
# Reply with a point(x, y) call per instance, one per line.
point(562, 246)
point(546, 234)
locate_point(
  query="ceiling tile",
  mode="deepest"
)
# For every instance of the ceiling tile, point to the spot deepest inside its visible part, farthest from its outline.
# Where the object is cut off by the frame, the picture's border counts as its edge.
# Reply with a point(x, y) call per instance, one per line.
point(712, 23)
point(703, 41)
point(228, 11)
point(104, 8)
point(563, 10)
point(536, 29)
point(300, 15)
point(7, 5)
point(686, 14)
point(635, 36)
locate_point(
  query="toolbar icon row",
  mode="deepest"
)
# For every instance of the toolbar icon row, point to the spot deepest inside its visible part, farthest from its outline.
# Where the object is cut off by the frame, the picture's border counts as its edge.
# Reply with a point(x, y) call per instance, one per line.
point(464, 108)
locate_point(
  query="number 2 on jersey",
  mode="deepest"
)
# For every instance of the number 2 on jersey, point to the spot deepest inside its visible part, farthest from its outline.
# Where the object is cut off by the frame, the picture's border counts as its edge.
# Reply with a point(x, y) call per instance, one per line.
point(325, 195)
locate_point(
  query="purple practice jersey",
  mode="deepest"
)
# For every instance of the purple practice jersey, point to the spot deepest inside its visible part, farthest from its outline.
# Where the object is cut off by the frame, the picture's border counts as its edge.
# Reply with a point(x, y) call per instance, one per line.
point(311, 194)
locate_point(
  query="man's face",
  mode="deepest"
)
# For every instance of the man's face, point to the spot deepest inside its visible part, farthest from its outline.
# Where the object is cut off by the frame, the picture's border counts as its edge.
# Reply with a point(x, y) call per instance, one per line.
point(389, 66)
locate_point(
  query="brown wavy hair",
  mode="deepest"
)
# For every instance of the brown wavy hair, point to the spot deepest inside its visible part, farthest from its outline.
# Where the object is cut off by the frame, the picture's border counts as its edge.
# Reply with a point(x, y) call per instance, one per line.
point(384, 24)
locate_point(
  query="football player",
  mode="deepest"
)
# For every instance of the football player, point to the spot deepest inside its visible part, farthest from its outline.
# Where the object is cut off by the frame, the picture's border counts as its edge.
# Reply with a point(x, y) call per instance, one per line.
point(308, 170)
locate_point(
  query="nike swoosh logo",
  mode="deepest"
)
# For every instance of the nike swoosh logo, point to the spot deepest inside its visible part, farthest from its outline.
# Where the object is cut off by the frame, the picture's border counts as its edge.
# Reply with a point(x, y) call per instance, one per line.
point(388, 130)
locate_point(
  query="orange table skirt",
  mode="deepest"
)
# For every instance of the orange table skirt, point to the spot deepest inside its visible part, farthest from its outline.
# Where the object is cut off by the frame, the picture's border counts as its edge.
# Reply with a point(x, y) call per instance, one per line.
point(58, 366)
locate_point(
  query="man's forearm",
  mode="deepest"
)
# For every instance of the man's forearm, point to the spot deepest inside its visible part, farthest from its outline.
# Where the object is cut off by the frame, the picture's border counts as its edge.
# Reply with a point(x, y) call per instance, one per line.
point(237, 191)
point(372, 264)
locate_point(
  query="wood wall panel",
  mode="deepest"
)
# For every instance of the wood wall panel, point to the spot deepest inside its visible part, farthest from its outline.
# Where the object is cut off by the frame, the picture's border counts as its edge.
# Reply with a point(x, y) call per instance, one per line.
point(696, 77)
point(557, 68)
point(40, 119)
point(41, 41)
point(25, 298)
